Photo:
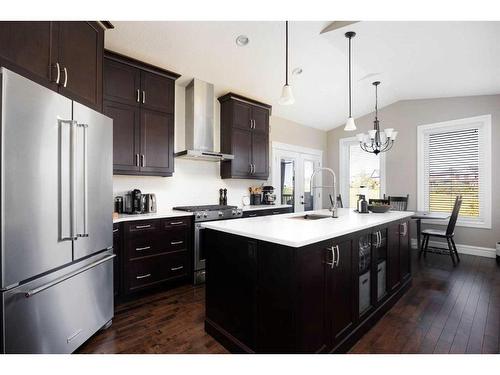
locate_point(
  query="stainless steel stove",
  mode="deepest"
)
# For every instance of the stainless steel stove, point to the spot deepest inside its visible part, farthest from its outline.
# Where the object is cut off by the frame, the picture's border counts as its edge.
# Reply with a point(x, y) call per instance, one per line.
point(203, 214)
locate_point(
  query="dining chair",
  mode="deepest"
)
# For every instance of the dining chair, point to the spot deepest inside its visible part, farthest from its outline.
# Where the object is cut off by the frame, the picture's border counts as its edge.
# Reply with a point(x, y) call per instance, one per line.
point(399, 203)
point(448, 234)
point(339, 201)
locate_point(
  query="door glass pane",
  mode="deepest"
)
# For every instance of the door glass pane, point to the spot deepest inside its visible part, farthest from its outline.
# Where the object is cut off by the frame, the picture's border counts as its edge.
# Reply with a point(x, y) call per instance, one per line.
point(364, 174)
point(287, 182)
point(308, 197)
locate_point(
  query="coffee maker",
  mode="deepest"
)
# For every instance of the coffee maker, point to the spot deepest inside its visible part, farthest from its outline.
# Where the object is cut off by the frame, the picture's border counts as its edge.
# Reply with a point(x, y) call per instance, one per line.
point(133, 202)
point(268, 196)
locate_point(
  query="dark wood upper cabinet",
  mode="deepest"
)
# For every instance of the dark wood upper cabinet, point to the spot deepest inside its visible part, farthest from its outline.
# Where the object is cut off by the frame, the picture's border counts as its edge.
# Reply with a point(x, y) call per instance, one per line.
point(63, 56)
point(126, 135)
point(157, 92)
point(140, 98)
point(28, 48)
point(157, 142)
point(121, 83)
point(80, 51)
point(245, 134)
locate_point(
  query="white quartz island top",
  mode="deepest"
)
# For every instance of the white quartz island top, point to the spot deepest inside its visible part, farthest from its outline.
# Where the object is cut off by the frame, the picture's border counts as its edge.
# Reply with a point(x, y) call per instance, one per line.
point(289, 231)
point(153, 215)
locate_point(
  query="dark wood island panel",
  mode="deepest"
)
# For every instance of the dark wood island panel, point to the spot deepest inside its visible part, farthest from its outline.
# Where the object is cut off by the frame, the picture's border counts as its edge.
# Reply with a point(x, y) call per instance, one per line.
point(263, 297)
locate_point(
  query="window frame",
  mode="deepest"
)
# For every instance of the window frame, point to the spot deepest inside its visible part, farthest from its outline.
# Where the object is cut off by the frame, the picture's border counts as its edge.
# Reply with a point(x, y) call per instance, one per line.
point(483, 124)
point(344, 173)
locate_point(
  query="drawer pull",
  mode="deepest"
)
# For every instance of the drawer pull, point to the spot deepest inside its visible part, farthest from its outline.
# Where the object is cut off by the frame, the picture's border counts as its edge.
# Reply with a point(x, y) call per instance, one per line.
point(252, 215)
point(176, 223)
point(276, 212)
point(143, 276)
point(176, 268)
point(176, 242)
point(115, 230)
point(73, 336)
point(142, 248)
point(142, 226)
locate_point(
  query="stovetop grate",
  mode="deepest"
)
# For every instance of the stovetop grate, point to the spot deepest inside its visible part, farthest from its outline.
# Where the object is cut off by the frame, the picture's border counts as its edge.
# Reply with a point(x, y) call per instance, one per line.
point(209, 207)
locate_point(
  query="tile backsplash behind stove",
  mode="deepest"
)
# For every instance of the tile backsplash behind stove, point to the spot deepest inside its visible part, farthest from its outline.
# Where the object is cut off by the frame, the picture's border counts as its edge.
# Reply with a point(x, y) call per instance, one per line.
point(193, 183)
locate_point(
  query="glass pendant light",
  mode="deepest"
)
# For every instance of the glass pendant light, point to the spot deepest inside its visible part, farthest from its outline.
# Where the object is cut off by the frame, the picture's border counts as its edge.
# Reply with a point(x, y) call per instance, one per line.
point(286, 93)
point(350, 125)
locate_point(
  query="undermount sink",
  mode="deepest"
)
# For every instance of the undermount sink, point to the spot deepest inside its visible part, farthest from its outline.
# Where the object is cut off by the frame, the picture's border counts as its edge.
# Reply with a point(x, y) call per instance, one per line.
point(311, 217)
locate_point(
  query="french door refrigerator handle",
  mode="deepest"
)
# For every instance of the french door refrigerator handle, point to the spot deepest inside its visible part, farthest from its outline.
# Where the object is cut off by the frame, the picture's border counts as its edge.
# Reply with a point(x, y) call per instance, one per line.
point(85, 232)
point(72, 184)
point(32, 292)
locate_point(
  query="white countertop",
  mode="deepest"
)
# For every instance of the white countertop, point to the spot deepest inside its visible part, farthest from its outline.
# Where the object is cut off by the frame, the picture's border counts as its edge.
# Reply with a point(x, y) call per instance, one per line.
point(285, 230)
point(154, 215)
point(265, 207)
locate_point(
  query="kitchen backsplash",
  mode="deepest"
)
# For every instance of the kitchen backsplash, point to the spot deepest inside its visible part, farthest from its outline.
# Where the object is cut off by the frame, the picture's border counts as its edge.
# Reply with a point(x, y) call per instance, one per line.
point(193, 182)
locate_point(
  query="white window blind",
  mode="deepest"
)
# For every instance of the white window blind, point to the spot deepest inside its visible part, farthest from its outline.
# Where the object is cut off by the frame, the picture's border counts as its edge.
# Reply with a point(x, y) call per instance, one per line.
point(455, 161)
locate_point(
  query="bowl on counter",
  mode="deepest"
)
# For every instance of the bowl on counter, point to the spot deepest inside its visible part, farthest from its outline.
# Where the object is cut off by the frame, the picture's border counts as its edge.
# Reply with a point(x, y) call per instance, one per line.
point(379, 209)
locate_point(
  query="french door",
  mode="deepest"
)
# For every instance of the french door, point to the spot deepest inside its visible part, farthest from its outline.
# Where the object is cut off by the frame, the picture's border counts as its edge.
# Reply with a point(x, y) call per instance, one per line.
point(292, 171)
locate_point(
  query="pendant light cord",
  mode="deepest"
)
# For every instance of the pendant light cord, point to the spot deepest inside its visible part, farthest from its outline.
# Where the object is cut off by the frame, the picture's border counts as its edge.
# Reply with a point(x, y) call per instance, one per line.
point(286, 53)
point(376, 102)
point(350, 77)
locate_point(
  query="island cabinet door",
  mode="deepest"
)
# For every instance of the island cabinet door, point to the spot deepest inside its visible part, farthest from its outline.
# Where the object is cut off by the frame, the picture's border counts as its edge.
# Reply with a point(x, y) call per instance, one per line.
point(393, 257)
point(310, 301)
point(404, 250)
point(340, 296)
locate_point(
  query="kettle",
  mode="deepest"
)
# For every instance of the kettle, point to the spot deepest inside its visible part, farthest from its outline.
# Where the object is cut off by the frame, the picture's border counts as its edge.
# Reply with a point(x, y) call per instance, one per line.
point(362, 204)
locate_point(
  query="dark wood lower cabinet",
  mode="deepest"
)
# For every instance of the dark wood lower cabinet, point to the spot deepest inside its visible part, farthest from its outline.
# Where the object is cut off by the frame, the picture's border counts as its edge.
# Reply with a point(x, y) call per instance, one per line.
point(263, 297)
point(151, 254)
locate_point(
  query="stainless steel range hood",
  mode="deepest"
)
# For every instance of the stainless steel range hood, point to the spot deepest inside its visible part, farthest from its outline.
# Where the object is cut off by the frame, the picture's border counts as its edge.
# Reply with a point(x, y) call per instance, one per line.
point(200, 123)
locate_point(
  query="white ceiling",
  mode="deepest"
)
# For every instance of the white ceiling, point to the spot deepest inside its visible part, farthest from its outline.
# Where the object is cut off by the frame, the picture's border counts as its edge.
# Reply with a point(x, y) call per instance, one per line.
point(412, 59)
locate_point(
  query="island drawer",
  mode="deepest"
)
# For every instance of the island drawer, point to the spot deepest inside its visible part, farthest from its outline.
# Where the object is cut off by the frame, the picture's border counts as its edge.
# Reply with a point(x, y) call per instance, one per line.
point(155, 269)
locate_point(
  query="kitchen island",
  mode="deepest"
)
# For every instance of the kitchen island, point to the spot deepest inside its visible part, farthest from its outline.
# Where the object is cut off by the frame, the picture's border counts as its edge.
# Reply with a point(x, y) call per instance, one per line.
point(303, 282)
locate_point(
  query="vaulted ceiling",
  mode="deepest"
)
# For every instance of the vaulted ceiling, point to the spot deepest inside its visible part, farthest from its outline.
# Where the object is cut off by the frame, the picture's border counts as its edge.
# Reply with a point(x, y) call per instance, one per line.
point(411, 59)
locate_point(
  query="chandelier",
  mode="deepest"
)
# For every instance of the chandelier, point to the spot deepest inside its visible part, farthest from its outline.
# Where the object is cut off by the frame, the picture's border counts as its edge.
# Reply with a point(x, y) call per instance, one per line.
point(376, 141)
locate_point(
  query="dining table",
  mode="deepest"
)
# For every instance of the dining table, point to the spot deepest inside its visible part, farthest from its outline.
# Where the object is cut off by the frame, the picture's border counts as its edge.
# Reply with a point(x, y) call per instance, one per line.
point(418, 216)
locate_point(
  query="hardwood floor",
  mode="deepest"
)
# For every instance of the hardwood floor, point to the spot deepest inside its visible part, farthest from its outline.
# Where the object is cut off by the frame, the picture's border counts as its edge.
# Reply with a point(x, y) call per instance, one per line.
point(447, 310)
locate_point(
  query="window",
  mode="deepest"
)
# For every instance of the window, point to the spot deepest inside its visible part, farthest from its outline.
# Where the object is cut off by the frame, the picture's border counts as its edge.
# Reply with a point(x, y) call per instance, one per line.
point(360, 171)
point(454, 158)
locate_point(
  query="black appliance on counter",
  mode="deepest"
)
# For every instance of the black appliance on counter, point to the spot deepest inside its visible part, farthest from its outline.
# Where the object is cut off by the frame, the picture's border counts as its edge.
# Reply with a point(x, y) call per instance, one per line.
point(202, 214)
point(133, 202)
point(268, 196)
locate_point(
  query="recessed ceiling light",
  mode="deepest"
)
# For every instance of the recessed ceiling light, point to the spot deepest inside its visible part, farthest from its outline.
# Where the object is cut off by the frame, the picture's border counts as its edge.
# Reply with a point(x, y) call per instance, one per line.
point(297, 71)
point(242, 40)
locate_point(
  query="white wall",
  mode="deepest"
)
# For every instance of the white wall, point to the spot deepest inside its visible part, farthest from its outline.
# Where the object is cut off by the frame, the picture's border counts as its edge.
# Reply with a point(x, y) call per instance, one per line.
point(198, 182)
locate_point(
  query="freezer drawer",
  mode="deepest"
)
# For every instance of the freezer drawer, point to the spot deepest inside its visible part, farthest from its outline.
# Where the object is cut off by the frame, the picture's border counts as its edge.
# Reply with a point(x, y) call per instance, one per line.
point(364, 292)
point(57, 315)
point(381, 280)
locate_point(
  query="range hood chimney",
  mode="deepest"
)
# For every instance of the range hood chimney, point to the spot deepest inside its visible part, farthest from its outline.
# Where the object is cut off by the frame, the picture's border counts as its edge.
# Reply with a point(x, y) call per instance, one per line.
point(200, 123)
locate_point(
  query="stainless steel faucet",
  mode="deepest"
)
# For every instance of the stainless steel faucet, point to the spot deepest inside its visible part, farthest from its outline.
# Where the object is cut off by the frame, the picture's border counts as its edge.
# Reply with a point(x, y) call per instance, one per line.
point(333, 201)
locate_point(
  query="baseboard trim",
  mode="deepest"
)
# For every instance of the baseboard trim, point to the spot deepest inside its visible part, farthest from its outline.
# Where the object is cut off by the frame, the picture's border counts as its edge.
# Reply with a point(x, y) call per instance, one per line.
point(462, 249)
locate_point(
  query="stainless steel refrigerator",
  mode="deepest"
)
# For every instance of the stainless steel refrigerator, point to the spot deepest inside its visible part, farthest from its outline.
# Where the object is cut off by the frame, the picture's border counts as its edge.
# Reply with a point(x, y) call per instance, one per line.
point(56, 268)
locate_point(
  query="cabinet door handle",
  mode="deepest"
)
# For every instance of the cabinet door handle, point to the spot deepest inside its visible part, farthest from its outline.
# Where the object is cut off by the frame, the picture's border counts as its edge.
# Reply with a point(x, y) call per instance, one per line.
point(337, 258)
point(176, 223)
point(332, 250)
point(58, 77)
point(65, 77)
point(138, 96)
point(142, 248)
point(143, 160)
point(142, 226)
point(143, 97)
point(143, 276)
point(176, 242)
point(404, 230)
point(115, 230)
point(136, 160)
point(176, 268)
